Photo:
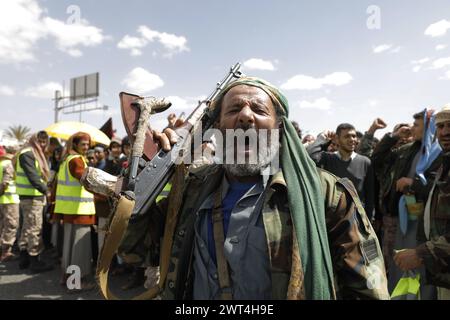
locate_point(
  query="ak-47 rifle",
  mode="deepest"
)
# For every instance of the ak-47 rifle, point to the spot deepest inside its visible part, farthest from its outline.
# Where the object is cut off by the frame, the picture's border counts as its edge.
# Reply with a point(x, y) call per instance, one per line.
point(150, 167)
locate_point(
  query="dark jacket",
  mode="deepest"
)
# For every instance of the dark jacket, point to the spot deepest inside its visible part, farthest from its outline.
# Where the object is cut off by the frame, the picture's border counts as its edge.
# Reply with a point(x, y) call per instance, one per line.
point(27, 162)
point(392, 164)
point(435, 252)
point(113, 166)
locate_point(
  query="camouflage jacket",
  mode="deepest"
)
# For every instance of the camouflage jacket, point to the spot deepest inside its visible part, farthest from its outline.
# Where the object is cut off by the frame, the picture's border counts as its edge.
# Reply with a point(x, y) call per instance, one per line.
point(356, 255)
point(436, 251)
point(392, 164)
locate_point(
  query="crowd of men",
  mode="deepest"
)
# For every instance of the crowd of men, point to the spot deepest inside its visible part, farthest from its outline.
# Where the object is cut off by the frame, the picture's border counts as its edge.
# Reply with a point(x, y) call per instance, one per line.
point(402, 181)
point(41, 180)
point(344, 209)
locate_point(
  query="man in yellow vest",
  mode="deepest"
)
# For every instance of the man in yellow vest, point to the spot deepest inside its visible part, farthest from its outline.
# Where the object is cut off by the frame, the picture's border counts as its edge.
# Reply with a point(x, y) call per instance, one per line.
point(9, 206)
point(32, 174)
point(75, 205)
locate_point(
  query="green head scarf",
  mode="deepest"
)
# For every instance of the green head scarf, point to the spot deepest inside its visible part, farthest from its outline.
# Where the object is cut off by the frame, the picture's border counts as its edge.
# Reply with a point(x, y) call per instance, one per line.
point(305, 197)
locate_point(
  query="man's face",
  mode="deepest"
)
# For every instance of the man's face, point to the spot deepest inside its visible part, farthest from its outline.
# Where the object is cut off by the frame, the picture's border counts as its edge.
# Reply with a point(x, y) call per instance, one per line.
point(116, 150)
point(443, 135)
point(91, 159)
point(100, 155)
point(127, 150)
point(417, 130)
point(247, 108)
point(82, 147)
point(42, 142)
point(347, 140)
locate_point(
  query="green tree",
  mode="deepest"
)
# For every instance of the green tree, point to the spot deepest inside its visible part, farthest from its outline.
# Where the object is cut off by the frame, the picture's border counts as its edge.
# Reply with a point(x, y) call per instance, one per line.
point(18, 132)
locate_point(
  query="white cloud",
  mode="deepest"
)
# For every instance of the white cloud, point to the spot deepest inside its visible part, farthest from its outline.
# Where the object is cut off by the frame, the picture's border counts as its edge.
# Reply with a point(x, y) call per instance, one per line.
point(320, 103)
point(418, 64)
point(381, 48)
point(446, 76)
point(44, 91)
point(141, 81)
point(337, 78)
point(23, 24)
point(7, 91)
point(441, 63)
point(71, 36)
point(184, 103)
point(303, 82)
point(420, 61)
point(258, 64)
point(133, 43)
point(20, 29)
point(440, 47)
point(373, 102)
point(172, 43)
point(438, 29)
point(386, 48)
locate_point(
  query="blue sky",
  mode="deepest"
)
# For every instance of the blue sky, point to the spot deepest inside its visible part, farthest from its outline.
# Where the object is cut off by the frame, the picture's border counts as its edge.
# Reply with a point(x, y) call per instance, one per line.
point(330, 65)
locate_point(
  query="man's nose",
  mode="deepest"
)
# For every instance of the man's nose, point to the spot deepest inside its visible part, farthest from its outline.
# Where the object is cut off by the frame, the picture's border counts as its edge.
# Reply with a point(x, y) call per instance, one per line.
point(246, 116)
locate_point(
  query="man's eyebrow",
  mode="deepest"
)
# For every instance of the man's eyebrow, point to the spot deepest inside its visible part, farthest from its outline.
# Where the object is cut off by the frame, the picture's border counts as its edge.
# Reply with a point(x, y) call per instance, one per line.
point(240, 101)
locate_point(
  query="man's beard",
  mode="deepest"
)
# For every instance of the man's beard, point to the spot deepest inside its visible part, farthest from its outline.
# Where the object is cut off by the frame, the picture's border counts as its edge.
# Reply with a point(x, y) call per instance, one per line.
point(248, 169)
point(268, 152)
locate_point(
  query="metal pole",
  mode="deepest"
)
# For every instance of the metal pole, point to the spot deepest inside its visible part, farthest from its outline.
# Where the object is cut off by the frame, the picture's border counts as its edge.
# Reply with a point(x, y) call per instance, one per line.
point(57, 98)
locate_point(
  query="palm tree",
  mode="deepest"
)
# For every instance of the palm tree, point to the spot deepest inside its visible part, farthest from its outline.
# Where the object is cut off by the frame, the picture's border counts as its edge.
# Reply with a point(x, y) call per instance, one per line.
point(18, 132)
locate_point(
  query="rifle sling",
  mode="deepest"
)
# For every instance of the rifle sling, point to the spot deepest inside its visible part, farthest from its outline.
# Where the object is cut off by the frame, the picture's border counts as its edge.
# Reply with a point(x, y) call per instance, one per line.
point(219, 239)
point(118, 227)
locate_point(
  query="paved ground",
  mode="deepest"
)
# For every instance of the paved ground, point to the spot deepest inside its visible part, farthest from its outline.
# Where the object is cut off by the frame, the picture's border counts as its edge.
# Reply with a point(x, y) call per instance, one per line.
point(16, 284)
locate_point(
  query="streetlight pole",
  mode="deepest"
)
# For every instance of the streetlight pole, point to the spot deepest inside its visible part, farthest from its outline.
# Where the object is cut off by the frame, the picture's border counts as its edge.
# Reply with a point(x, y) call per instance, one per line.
point(57, 99)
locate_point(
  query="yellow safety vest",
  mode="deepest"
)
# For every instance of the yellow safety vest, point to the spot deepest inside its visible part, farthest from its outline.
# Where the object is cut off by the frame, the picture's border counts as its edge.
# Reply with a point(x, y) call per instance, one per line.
point(24, 186)
point(71, 196)
point(164, 193)
point(9, 196)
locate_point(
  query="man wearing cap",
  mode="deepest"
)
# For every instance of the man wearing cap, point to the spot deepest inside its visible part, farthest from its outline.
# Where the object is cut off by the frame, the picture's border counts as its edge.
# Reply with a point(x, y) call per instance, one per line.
point(296, 232)
point(9, 206)
point(434, 252)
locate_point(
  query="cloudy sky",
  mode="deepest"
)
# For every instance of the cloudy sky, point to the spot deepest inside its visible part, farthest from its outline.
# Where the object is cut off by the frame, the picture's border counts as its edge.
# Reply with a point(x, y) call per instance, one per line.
point(336, 61)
